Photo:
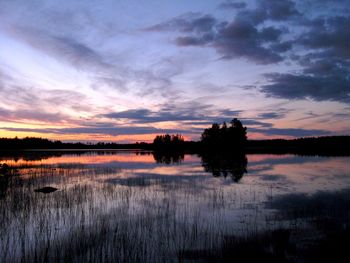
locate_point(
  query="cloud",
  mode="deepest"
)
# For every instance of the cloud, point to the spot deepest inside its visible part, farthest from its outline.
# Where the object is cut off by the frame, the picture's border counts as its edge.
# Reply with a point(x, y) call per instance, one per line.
point(189, 22)
point(329, 34)
point(253, 122)
point(30, 115)
point(261, 35)
point(61, 47)
point(237, 39)
point(248, 36)
point(293, 132)
point(108, 130)
point(311, 50)
point(82, 53)
point(23, 103)
point(147, 116)
point(269, 10)
point(277, 10)
point(325, 68)
point(194, 113)
point(193, 118)
point(26, 102)
point(143, 116)
point(304, 86)
point(232, 5)
point(240, 38)
point(272, 115)
point(229, 112)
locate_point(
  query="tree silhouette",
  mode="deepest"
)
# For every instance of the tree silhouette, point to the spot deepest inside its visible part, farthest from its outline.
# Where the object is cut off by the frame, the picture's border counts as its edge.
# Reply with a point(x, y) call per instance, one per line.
point(233, 137)
point(167, 141)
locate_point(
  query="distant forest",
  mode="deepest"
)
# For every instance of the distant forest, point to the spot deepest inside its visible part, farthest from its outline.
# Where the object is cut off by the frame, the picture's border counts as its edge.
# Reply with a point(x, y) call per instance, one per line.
point(217, 138)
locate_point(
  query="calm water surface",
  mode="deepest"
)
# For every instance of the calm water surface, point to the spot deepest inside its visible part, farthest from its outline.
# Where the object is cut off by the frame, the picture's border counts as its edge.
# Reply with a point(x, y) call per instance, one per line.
point(136, 206)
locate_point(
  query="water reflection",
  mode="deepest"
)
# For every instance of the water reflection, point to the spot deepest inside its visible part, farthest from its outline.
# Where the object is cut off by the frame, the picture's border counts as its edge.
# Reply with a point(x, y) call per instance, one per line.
point(228, 165)
point(168, 157)
point(138, 206)
point(219, 165)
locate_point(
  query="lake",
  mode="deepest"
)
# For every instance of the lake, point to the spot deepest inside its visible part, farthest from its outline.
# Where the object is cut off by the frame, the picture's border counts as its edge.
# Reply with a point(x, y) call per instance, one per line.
point(140, 206)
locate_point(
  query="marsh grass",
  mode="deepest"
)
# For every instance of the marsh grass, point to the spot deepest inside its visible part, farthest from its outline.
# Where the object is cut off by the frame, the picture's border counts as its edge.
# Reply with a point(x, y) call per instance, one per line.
point(99, 214)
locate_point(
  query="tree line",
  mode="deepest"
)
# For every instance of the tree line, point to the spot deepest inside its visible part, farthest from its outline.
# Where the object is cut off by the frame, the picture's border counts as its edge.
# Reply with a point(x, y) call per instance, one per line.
point(223, 137)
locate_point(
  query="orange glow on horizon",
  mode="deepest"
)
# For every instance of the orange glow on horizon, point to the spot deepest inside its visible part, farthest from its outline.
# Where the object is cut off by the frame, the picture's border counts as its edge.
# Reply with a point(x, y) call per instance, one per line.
point(132, 138)
point(120, 157)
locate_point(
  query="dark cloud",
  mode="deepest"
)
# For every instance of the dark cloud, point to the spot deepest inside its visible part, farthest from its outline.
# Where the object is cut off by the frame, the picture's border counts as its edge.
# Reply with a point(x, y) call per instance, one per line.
point(232, 5)
point(147, 116)
point(326, 66)
point(293, 132)
point(254, 122)
point(272, 115)
point(269, 10)
point(195, 115)
point(241, 37)
point(176, 111)
point(193, 118)
point(260, 34)
point(220, 119)
point(281, 47)
point(238, 39)
point(164, 115)
point(304, 86)
point(325, 73)
point(194, 40)
point(277, 10)
point(189, 22)
point(332, 35)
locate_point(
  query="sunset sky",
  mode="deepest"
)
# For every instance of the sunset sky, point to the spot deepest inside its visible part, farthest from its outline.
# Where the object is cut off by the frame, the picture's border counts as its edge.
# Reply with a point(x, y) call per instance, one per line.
point(113, 70)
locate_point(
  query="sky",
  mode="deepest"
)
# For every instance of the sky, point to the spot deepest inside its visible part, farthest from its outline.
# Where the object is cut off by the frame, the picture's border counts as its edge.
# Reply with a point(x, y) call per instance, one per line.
point(125, 71)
